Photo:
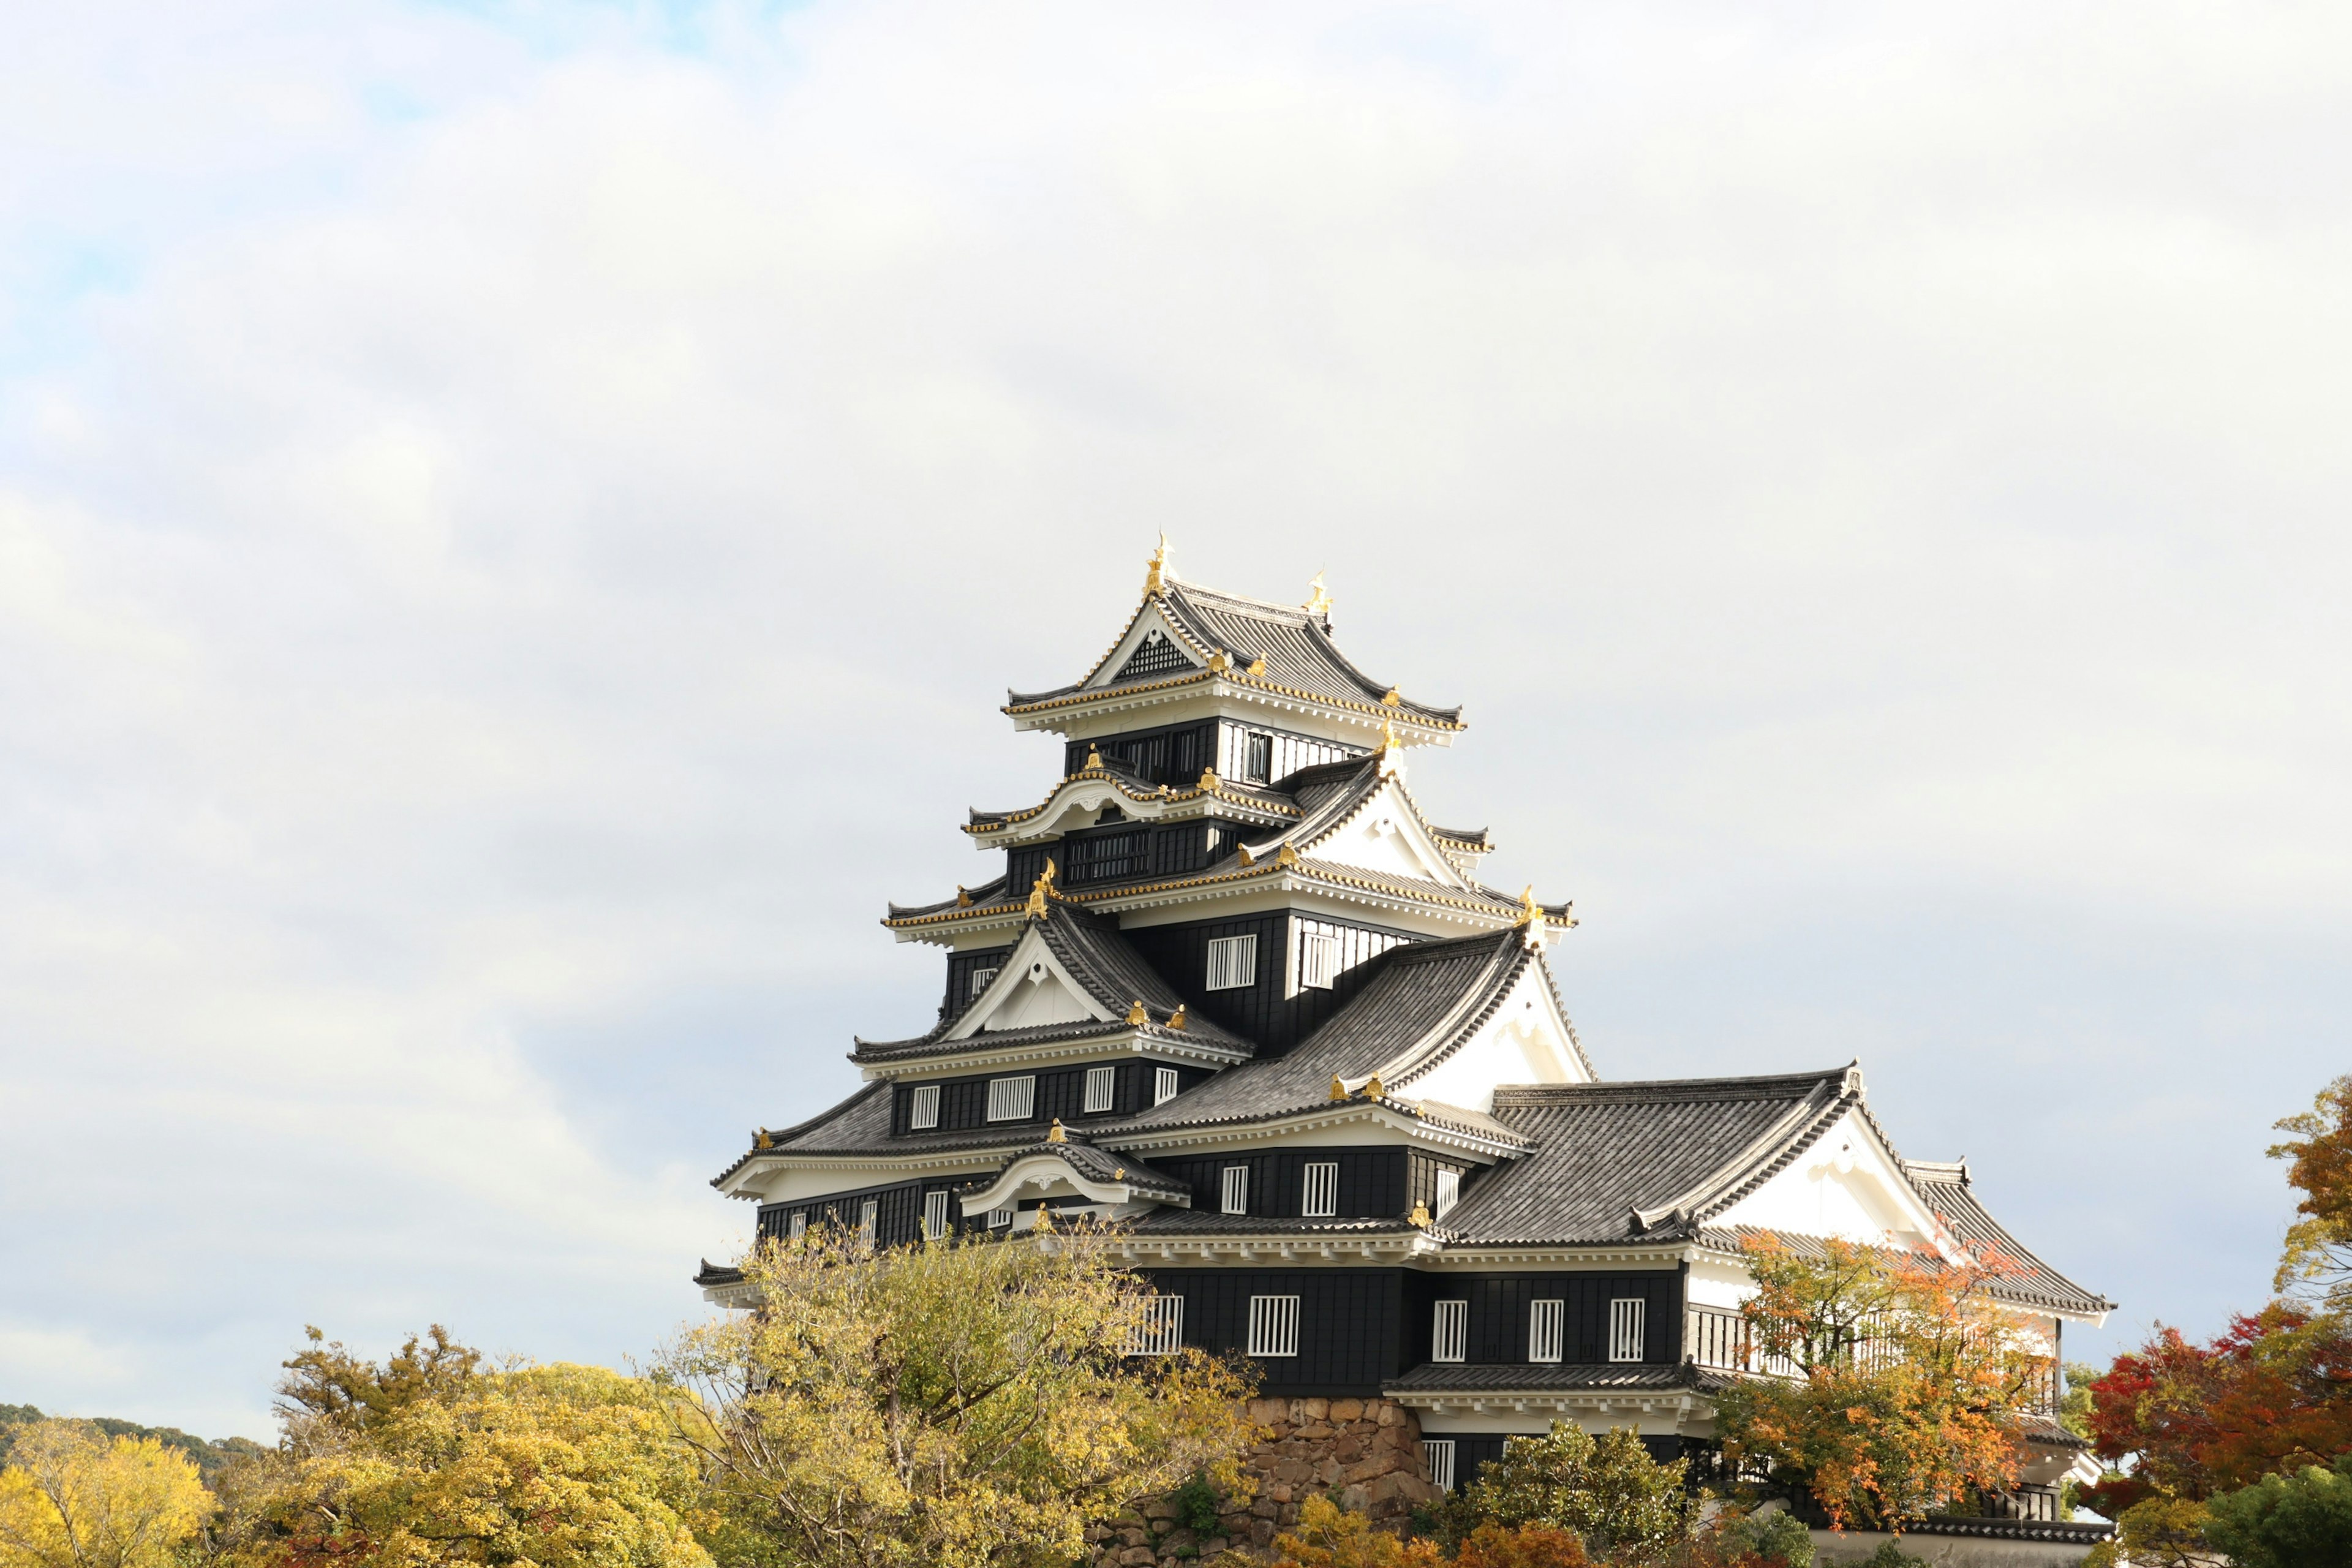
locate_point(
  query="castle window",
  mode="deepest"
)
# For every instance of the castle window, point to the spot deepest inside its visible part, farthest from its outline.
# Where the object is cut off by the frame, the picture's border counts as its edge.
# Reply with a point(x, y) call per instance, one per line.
point(868, 1213)
point(1319, 960)
point(1626, 1327)
point(800, 1224)
point(1543, 1329)
point(923, 1106)
point(979, 979)
point(1236, 1189)
point(1259, 766)
point(1274, 1325)
point(999, 1219)
point(1450, 1331)
point(1437, 1453)
point(1161, 1332)
point(1011, 1099)
point(935, 1215)
point(1164, 1084)
point(1449, 1193)
point(1233, 962)
point(1101, 1083)
point(1321, 1198)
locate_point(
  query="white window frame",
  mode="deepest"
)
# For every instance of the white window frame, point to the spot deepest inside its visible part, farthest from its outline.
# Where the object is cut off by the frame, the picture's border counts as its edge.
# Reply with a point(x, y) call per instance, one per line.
point(1165, 1083)
point(1627, 1328)
point(1013, 1099)
point(1252, 742)
point(1273, 1326)
point(799, 1226)
point(1546, 1324)
point(1233, 1190)
point(1319, 960)
point(1102, 1087)
point(978, 984)
point(1000, 1219)
point(869, 1214)
point(934, 1214)
point(1449, 1193)
point(1437, 1453)
point(1449, 1330)
point(1161, 1332)
point(1233, 962)
point(923, 1108)
point(1318, 1196)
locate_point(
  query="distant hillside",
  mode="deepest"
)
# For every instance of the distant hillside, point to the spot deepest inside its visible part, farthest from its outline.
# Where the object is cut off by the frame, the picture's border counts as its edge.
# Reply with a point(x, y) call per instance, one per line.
point(209, 1456)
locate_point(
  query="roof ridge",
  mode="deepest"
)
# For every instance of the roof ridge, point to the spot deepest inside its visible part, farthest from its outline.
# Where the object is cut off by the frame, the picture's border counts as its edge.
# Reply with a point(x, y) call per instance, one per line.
point(1759, 1087)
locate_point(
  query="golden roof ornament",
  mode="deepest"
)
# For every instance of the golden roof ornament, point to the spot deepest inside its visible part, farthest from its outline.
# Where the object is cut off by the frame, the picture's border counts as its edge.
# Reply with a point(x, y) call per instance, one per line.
point(1055, 1134)
point(1392, 699)
point(1338, 1088)
point(1285, 855)
point(1161, 572)
point(1135, 1015)
point(1207, 779)
point(1247, 858)
point(1176, 1020)
point(1119, 1173)
point(1257, 667)
point(1094, 757)
point(1218, 661)
point(1318, 599)
point(1038, 892)
point(1372, 1089)
point(759, 1139)
point(1530, 912)
point(963, 898)
point(1419, 1218)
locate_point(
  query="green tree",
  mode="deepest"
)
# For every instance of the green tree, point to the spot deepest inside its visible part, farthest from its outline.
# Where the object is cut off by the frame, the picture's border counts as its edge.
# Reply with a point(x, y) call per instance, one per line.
point(1608, 1490)
point(956, 1405)
point(2317, 1259)
point(73, 1497)
point(2300, 1521)
point(1908, 1386)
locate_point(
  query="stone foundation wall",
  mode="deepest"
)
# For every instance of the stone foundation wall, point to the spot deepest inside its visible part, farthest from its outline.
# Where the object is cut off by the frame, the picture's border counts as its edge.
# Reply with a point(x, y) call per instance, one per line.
point(1365, 1454)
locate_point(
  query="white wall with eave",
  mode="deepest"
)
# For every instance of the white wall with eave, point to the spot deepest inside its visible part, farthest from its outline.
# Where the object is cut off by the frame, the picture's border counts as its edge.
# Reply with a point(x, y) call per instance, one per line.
point(1847, 1184)
point(1385, 835)
point(1031, 989)
point(1524, 1041)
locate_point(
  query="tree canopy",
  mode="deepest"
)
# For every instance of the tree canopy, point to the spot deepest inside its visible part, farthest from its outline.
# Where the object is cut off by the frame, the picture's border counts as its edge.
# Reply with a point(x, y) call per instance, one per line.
point(73, 1497)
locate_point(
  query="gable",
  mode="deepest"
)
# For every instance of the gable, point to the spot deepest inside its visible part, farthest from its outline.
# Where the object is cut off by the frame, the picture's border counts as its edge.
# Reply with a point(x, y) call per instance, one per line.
point(1526, 1040)
point(1387, 835)
point(1031, 988)
point(1846, 1183)
point(1151, 648)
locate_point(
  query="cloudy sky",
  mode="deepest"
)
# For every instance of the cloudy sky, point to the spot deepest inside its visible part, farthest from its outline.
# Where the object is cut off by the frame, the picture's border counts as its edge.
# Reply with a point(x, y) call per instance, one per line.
point(515, 521)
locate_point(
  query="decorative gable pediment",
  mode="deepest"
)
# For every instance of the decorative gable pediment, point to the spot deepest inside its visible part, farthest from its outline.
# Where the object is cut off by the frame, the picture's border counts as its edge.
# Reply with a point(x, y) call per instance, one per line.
point(1848, 1184)
point(1386, 834)
point(1152, 647)
point(1526, 1039)
point(1031, 988)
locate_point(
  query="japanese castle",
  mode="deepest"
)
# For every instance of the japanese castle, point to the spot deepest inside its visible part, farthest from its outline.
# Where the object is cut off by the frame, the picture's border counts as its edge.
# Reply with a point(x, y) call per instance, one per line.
point(1232, 991)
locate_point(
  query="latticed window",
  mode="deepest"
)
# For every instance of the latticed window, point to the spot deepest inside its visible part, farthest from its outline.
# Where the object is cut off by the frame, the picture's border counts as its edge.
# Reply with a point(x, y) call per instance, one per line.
point(935, 1215)
point(979, 980)
point(1233, 961)
point(1321, 1198)
point(1274, 1325)
point(1258, 767)
point(1544, 1319)
point(1161, 1332)
point(868, 1213)
point(1236, 1189)
point(1101, 1084)
point(1157, 654)
point(800, 1224)
point(1164, 1084)
point(923, 1106)
point(1011, 1099)
point(1449, 1330)
point(1437, 1453)
point(1626, 1327)
point(998, 1219)
point(1319, 960)
point(1449, 1193)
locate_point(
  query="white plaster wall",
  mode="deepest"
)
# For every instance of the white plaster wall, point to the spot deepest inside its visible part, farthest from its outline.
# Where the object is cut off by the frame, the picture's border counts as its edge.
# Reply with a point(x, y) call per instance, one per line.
point(1525, 1041)
point(1845, 1185)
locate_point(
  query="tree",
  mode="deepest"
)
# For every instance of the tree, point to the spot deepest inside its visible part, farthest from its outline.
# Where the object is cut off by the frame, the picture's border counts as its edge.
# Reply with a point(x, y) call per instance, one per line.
point(1906, 1383)
point(74, 1498)
point(959, 1404)
point(2317, 1261)
point(1609, 1491)
point(429, 1460)
point(1328, 1536)
point(2302, 1520)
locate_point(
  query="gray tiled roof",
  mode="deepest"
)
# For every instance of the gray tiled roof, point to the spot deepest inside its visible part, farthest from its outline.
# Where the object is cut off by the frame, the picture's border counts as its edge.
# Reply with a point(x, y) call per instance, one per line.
point(1417, 1002)
point(1190, 1222)
point(1607, 1153)
point(1510, 1378)
point(1100, 960)
point(1097, 1164)
point(1950, 1193)
point(992, 891)
point(1296, 645)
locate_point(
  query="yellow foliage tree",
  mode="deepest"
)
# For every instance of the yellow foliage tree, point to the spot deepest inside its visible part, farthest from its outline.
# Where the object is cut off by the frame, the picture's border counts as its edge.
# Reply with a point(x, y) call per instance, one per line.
point(956, 1404)
point(71, 1498)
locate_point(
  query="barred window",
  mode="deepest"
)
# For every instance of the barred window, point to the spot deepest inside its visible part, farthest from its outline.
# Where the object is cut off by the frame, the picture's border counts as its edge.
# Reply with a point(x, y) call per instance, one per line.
point(1449, 1191)
point(1011, 1099)
point(800, 1224)
point(979, 979)
point(1319, 960)
point(1437, 1453)
point(1101, 1083)
point(1450, 1331)
point(998, 1219)
point(923, 1106)
point(1236, 1189)
point(935, 1215)
point(1260, 764)
point(1274, 1325)
point(1543, 1329)
point(868, 1212)
point(1233, 962)
point(1626, 1327)
point(1161, 1332)
point(1163, 1086)
point(1321, 1198)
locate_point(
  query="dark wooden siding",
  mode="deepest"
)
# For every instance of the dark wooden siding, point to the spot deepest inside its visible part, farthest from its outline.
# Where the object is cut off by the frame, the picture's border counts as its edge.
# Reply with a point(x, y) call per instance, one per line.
point(1171, 754)
point(1061, 1092)
point(1421, 1179)
point(1348, 1321)
point(959, 968)
point(1258, 1012)
point(1286, 751)
point(1372, 1180)
point(1498, 1314)
point(897, 1215)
